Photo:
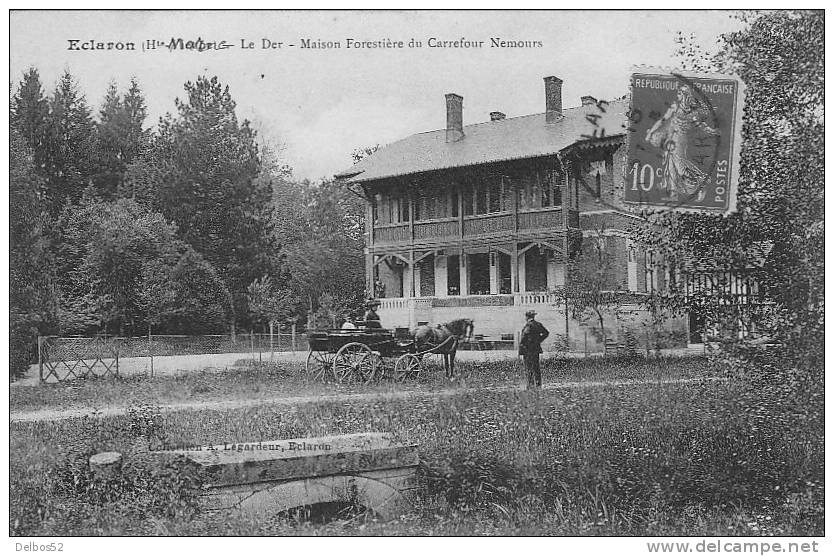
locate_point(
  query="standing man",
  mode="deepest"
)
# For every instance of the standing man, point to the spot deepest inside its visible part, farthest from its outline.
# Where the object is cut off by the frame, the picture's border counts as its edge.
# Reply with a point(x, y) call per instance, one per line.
point(530, 346)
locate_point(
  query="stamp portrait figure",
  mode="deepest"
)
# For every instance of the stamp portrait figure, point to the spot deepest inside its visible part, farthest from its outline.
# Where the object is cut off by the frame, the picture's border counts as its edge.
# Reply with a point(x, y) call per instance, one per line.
point(684, 123)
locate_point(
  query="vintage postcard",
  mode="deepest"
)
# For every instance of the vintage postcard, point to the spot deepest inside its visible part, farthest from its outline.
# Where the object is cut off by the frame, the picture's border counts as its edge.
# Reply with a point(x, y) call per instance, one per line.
point(417, 273)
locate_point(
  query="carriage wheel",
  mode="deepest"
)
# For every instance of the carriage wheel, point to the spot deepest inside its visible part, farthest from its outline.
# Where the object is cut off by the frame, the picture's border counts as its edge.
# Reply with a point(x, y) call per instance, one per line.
point(407, 366)
point(354, 362)
point(319, 365)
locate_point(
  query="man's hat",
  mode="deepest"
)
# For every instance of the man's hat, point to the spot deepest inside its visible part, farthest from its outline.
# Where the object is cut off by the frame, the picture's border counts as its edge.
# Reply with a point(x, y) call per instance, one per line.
point(530, 314)
point(372, 303)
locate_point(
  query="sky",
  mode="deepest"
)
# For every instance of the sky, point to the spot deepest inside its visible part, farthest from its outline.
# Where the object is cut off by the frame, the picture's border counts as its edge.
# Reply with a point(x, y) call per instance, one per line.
point(318, 105)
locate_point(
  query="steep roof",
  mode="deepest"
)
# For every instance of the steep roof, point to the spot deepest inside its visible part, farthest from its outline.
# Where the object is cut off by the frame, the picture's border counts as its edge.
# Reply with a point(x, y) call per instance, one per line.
point(493, 141)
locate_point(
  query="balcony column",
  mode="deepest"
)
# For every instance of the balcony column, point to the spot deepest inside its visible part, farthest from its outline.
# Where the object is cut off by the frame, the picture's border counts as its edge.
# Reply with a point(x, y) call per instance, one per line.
point(414, 287)
point(441, 276)
point(522, 272)
point(410, 288)
point(464, 273)
point(494, 274)
point(369, 273)
point(418, 280)
point(514, 269)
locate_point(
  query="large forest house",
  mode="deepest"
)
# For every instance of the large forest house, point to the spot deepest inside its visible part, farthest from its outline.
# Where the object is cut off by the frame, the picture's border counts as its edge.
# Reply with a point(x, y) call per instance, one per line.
point(476, 220)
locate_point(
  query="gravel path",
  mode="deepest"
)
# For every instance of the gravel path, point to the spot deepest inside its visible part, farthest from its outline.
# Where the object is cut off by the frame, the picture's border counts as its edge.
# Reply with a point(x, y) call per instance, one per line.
point(174, 365)
point(60, 414)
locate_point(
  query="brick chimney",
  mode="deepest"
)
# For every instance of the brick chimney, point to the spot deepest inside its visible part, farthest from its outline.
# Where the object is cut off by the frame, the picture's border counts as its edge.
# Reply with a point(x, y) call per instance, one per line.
point(454, 118)
point(495, 116)
point(553, 98)
point(588, 99)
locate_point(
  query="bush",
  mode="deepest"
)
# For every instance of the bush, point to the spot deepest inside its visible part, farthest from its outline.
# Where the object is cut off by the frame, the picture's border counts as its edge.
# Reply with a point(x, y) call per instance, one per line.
point(150, 484)
point(144, 420)
point(469, 480)
point(22, 346)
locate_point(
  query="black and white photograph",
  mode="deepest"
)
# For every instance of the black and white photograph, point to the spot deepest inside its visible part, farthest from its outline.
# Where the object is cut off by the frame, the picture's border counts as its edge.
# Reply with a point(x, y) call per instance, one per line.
point(417, 273)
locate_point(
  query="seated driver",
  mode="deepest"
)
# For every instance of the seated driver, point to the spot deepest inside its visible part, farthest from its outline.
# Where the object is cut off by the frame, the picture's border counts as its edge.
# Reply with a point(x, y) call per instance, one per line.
point(371, 317)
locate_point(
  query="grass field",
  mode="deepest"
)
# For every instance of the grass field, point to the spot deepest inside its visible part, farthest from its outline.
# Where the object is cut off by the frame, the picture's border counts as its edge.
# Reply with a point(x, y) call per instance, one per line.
point(705, 458)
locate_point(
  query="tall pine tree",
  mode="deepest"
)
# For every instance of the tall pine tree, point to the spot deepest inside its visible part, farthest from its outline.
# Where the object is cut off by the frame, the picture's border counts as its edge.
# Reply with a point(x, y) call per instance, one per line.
point(29, 118)
point(70, 145)
point(121, 136)
point(201, 172)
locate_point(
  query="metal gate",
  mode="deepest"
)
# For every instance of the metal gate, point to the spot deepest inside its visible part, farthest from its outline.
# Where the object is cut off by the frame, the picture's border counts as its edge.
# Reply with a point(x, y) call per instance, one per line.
point(61, 359)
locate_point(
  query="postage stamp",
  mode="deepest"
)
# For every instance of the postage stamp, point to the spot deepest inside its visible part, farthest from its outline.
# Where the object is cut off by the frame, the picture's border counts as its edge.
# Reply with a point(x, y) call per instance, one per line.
point(684, 137)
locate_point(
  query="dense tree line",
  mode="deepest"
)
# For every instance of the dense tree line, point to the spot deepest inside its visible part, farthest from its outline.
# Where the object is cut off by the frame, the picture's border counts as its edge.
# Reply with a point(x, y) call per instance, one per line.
point(780, 57)
point(190, 227)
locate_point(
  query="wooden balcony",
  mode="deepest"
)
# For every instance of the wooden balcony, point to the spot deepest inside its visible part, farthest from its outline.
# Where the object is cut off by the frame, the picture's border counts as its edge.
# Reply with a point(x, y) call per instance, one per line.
point(485, 226)
point(391, 233)
point(433, 229)
point(540, 219)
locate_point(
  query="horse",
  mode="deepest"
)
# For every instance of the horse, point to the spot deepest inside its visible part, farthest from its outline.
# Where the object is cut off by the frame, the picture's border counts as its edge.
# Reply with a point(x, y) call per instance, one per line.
point(444, 338)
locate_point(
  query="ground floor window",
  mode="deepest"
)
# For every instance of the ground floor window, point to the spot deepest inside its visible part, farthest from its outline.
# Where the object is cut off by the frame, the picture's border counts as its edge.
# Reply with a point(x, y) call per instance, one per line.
point(392, 276)
point(505, 273)
point(427, 278)
point(479, 274)
point(453, 274)
point(535, 263)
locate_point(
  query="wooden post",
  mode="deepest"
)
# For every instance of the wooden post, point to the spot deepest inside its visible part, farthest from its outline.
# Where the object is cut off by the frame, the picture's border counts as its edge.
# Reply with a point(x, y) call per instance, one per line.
point(514, 269)
point(461, 195)
point(514, 287)
point(410, 196)
point(293, 336)
point(40, 357)
point(271, 346)
point(586, 342)
point(150, 347)
point(369, 273)
point(369, 252)
point(514, 191)
point(567, 319)
point(413, 270)
point(463, 271)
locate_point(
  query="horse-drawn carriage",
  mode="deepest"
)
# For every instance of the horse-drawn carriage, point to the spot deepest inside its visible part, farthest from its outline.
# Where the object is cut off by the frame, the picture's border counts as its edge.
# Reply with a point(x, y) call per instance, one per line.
point(370, 354)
